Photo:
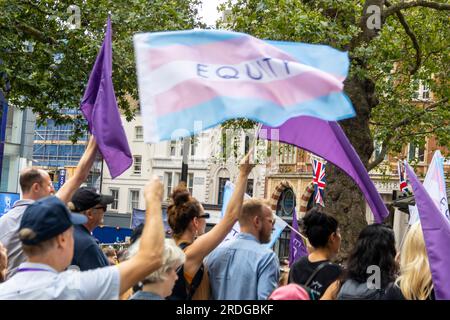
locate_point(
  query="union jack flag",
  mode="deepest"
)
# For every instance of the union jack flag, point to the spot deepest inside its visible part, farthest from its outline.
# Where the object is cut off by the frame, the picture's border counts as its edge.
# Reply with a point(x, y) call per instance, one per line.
point(318, 180)
point(402, 177)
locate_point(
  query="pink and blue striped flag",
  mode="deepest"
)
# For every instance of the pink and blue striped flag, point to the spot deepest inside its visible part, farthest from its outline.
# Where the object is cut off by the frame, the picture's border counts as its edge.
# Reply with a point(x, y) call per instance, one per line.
point(193, 80)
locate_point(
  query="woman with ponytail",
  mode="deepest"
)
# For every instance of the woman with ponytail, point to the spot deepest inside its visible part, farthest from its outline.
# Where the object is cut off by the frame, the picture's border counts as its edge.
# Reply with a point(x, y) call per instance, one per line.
point(187, 220)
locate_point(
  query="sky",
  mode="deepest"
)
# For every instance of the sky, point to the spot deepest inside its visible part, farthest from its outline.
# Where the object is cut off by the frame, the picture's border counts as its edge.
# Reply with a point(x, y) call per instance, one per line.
point(208, 11)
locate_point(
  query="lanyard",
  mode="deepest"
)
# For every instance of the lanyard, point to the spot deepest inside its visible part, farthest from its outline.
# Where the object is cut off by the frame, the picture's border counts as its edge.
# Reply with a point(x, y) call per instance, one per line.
point(32, 269)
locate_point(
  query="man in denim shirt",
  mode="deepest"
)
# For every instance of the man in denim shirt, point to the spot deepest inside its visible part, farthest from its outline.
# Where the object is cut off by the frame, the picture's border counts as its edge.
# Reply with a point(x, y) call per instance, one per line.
point(243, 268)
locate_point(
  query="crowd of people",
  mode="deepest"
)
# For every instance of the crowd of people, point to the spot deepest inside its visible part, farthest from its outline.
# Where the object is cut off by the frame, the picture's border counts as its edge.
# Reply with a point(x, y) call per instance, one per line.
point(47, 250)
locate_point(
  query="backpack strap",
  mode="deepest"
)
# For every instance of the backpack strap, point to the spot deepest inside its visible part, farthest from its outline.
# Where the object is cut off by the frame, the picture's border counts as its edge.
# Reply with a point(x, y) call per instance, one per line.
point(314, 274)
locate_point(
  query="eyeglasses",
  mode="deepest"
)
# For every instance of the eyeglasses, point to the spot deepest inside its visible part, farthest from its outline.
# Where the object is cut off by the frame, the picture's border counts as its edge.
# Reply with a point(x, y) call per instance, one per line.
point(206, 216)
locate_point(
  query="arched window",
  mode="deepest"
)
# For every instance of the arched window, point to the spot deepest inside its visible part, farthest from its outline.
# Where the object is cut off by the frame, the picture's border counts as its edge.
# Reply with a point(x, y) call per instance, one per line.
point(286, 203)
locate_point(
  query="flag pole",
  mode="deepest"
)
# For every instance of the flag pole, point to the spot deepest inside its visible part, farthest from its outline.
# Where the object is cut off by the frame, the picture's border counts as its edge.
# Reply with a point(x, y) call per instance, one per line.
point(184, 163)
point(297, 232)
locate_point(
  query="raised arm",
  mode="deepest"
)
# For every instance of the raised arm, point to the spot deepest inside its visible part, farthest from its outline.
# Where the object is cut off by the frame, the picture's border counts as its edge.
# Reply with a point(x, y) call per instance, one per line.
point(207, 242)
point(149, 257)
point(3, 262)
point(81, 172)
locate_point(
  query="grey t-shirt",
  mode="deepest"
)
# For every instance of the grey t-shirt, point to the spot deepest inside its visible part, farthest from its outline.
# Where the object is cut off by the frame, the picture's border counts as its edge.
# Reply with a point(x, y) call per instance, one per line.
point(9, 235)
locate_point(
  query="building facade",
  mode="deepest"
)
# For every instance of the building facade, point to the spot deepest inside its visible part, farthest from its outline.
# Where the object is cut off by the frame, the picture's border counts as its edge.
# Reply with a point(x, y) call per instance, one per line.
point(17, 146)
point(54, 151)
point(290, 185)
point(207, 171)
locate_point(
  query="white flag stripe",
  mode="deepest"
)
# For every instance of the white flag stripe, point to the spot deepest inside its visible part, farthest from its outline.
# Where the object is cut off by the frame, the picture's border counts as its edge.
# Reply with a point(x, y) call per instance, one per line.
point(171, 74)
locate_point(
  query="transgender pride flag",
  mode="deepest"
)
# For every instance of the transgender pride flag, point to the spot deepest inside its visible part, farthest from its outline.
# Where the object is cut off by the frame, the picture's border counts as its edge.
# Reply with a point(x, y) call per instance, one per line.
point(192, 80)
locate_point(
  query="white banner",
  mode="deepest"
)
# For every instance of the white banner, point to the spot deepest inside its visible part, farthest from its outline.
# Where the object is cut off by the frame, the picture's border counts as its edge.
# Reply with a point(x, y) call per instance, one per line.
point(435, 185)
point(279, 226)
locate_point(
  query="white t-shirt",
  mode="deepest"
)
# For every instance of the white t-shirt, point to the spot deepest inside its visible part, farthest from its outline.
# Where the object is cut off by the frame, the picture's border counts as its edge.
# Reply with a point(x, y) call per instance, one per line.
point(35, 281)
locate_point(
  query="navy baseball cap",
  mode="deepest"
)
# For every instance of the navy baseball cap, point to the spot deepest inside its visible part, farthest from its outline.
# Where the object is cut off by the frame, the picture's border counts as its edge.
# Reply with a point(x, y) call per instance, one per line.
point(47, 218)
point(86, 198)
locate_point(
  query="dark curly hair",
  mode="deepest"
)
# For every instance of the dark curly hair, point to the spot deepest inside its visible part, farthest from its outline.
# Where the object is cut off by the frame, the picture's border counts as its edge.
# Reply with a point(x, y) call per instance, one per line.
point(318, 226)
point(375, 247)
point(182, 209)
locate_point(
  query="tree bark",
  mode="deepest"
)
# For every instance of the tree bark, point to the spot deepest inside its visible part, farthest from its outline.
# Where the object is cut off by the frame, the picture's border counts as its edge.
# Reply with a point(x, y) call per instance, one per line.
point(343, 199)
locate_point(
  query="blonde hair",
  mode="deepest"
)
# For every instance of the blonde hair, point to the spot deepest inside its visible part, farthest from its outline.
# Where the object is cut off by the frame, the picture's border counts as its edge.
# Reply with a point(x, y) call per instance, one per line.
point(415, 276)
point(173, 256)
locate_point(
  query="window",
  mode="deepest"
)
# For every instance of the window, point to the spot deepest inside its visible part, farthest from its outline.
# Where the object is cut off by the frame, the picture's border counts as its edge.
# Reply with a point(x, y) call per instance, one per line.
point(425, 94)
point(222, 182)
point(172, 148)
point(181, 143)
point(247, 144)
point(168, 183)
point(223, 144)
point(193, 145)
point(286, 203)
point(423, 90)
point(416, 152)
point(133, 202)
point(287, 154)
point(190, 183)
point(176, 179)
point(137, 164)
point(115, 195)
point(249, 190)
point(138, 133)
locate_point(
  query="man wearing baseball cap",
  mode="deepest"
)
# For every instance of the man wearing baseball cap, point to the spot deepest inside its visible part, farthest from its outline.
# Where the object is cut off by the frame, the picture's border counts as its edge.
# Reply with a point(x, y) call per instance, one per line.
point(87, 254)
point(36, 184)
point(46, 232)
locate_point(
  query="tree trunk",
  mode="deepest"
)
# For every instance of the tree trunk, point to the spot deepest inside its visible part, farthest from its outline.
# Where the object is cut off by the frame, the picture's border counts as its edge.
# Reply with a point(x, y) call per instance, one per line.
point(343, 199)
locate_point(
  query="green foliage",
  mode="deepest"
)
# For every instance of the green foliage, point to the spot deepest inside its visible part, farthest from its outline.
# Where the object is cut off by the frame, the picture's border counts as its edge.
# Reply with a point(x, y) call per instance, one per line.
point(387, 59)
point(46, 86)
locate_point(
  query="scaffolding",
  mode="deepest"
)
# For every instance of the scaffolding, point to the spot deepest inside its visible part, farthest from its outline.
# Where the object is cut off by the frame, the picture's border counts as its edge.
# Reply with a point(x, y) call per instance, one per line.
point(53, 150)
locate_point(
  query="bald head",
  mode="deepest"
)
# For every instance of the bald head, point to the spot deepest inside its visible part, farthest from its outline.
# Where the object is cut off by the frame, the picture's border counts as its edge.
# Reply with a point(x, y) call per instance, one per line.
point(35, 183)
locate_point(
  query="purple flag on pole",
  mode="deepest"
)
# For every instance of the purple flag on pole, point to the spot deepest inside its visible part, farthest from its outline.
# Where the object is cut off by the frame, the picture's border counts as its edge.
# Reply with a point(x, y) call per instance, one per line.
point(327, 140)
point(297, 248)
point(436, 231)
point(99, 107)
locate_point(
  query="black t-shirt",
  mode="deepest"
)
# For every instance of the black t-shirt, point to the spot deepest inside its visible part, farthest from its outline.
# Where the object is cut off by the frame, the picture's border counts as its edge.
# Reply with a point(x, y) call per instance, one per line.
point(302, 269)
point(182, 289)
point(87, 254)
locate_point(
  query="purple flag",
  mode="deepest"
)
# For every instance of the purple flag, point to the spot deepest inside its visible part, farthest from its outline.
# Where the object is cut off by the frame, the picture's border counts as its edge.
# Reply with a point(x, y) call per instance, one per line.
point(327, 140)
point(436, 231)
point(297, 248)
point(99, 107)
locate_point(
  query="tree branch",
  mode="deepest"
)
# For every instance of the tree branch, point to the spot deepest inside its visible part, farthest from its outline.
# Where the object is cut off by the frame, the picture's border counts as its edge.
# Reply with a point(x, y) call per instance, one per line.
point(418, 3)
point(366, 34)
point(381, 155)
point(35, 33)
point(409, 32)
point(391, 136)
point(417, 133)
